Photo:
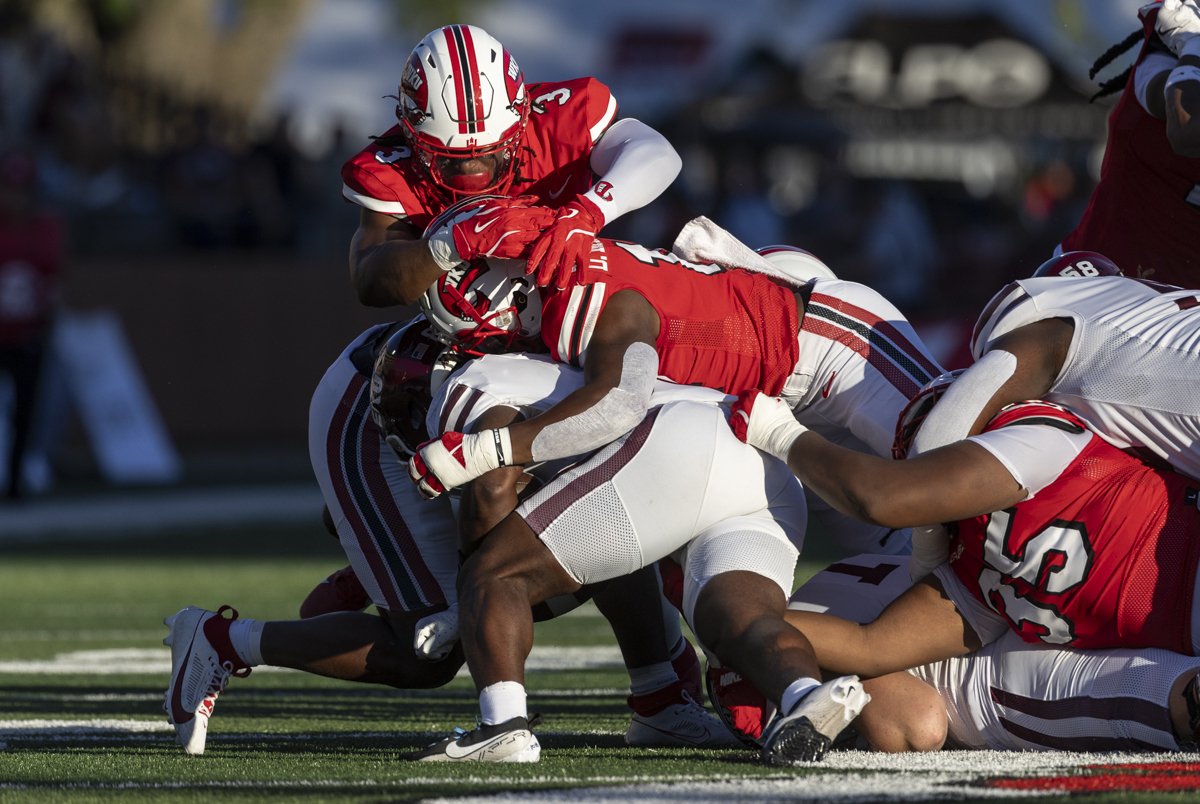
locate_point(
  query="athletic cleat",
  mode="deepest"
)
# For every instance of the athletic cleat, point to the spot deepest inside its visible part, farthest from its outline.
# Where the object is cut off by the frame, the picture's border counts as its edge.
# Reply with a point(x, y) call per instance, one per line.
point(671, 716)
point(687, 668)
point(341, 591)
point(202, 660)
point(805, 733)
point(742, 708)
point(510, 741)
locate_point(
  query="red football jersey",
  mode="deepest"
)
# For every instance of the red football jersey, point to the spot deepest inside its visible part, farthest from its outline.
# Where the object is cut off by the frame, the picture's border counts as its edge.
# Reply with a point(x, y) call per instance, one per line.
point(1103, 557)
point(1145, 212)
point(731, 330)
point(566, 119)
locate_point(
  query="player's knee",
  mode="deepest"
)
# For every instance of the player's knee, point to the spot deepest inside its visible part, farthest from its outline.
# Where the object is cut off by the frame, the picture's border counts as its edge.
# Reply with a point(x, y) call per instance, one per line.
point(730, 616)
point(927, 733)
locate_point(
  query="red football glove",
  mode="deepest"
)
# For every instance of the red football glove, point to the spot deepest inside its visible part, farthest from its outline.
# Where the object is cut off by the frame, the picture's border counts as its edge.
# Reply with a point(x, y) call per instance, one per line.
point(455, 459)
point(566, 246)
point(765, 422)
point(504, 229)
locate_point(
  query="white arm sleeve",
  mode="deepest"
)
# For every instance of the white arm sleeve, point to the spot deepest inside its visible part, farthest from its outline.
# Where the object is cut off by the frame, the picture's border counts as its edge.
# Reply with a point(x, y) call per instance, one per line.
point(1144, 73)
point(618, 412)
point(951, 419)
point(1034, 454)
point(636, 162)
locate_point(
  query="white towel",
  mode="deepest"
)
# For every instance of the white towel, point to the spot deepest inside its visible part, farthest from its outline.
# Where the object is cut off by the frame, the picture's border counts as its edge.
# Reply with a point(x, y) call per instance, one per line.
point(701, 240)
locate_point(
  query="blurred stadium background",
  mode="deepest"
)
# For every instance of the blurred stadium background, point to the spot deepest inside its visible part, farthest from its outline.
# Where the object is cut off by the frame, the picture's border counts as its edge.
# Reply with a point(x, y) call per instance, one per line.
point(933, 149)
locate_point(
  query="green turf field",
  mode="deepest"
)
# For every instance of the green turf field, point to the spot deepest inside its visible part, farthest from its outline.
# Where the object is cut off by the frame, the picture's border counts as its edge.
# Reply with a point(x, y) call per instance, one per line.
point(81, 724)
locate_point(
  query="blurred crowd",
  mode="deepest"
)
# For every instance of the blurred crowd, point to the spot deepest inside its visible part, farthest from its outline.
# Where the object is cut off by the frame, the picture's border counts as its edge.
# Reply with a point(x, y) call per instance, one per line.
point(162, 174)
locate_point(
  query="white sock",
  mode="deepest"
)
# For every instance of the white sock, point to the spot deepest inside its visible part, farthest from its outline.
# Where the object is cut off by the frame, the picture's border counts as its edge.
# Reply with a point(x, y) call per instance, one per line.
point(246, 636)
point(795, 691)
point(652, 678)
point(677, 651)
point(502, 701)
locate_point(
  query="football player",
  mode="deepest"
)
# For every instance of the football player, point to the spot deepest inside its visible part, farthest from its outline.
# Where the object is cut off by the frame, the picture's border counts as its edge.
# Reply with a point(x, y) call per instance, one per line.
point(845, 359)
point(1010, 695)
point(1121, 353)
point(405, 552)
point(469, 125)
point(1146, 209)
point(1060, 536)
point(694, 324)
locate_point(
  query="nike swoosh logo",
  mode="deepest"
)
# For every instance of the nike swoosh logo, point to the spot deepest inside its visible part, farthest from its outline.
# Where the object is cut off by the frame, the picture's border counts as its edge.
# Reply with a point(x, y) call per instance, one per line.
point(454, 752)
point(554, 196)
point(178, 713)
point(479, 228)
point(825, 390)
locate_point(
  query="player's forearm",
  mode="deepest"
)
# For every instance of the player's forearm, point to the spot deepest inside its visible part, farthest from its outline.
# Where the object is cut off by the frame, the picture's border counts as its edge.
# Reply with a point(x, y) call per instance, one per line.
point(852, 482)
point(612, 403)
point(393, 272)
point(637, 162)
point(958, 481)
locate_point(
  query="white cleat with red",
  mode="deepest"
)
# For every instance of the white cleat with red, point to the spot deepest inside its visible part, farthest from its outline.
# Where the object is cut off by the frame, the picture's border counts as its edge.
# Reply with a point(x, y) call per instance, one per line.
point(672, 717)
point(202, 660)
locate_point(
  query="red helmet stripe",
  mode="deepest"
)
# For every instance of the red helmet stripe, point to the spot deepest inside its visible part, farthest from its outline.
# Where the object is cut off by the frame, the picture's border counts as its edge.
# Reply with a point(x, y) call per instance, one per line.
point(469, 47)
point(457, 69)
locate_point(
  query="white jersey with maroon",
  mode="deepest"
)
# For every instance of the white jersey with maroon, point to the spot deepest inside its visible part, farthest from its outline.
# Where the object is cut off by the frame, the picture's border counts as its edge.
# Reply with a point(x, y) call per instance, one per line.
point(680, 483)
point(403, 548)
point(1010, 696)
point(534, 383)
point(529, 383)
point(1133, 370)
point(860, 362)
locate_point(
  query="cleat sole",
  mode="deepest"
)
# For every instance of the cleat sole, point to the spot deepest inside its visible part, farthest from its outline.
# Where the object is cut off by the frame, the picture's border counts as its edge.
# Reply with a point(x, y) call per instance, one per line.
point(798, 741)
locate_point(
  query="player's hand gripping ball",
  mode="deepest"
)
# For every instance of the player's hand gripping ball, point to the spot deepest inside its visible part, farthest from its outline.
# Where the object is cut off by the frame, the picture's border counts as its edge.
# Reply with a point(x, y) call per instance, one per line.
point(566, 246)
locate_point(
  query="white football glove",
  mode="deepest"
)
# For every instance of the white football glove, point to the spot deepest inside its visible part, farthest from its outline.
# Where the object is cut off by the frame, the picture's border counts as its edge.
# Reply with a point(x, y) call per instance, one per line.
point(436, 635)
point(454, 459)
point(765, 422)
point(1178, 23)
point(930, 550)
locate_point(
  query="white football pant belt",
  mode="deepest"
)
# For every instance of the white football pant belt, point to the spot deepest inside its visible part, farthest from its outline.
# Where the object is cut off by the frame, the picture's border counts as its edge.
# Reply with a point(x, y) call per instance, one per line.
point(621, 410)
point(950, 421)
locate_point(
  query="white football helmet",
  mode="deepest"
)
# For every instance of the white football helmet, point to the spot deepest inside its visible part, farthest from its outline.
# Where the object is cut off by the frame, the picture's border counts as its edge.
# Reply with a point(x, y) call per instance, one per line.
point(462, 96)
point(796, 262)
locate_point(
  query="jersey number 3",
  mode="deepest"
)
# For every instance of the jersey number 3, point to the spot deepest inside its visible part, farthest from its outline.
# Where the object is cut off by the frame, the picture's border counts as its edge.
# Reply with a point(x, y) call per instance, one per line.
point(1055, 561)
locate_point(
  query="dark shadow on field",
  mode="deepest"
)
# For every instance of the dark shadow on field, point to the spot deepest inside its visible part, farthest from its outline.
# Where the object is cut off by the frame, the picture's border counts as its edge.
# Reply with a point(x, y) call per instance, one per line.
point(266, 541)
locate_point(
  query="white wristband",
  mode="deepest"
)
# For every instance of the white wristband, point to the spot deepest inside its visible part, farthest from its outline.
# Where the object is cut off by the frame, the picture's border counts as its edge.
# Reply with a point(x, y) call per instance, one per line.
point(442, 248)
point(1191, 48)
